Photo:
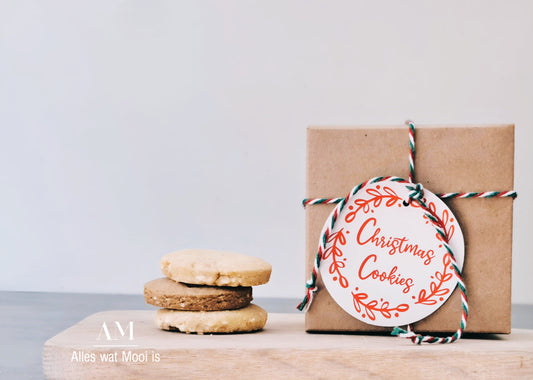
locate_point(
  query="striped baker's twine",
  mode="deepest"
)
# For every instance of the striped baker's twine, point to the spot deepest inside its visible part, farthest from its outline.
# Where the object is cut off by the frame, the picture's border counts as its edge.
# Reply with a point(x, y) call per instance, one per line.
point(412, 150)
point(484, 194)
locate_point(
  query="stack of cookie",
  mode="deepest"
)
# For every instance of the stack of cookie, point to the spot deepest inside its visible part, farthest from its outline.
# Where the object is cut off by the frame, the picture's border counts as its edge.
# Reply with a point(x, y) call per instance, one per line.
point(207, 291)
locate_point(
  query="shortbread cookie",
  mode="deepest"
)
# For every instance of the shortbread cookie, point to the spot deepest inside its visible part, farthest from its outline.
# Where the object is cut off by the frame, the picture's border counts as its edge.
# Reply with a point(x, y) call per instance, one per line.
point(218, 268)
point(170, 294)
point(250, 318)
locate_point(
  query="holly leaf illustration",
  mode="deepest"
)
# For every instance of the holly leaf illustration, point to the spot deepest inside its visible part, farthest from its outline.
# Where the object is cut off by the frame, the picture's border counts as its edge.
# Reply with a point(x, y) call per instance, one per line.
point(343, 281)
point(385, 309)
point(451, 231)
point(390, 202)
point(442, 292)
point(389, 191)
point(402, 307)
point(373, 192)
point(369, 311)
point(445, 217)
point(357, 300)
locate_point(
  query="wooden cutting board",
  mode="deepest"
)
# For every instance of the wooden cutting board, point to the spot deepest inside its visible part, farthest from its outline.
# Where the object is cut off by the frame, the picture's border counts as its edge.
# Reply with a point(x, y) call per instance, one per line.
point(135, 348)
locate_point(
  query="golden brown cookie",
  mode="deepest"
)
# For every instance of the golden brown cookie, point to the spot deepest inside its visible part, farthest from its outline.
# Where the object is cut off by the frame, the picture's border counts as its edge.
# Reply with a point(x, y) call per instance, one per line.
point(217, 268)
point(251, 318)
point(170, 294)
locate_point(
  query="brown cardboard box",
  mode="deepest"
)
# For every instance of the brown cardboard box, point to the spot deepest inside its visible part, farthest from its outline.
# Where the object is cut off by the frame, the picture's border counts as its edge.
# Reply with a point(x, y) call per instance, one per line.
point(448, 159)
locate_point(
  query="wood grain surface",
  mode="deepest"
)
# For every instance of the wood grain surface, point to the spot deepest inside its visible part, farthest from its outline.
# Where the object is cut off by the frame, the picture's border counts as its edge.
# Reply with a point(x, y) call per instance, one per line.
point(282, 350)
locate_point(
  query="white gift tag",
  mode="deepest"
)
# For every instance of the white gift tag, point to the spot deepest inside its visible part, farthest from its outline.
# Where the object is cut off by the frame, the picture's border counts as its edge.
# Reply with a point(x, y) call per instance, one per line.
point(384, 262)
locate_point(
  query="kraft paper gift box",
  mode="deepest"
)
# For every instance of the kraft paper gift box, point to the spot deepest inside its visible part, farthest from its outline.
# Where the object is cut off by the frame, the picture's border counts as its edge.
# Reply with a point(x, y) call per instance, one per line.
point(468, 158)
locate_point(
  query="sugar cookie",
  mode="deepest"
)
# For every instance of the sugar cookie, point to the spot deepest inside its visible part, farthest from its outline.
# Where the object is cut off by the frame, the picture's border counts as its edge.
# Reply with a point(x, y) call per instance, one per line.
point(218, 268)
point(251, 318)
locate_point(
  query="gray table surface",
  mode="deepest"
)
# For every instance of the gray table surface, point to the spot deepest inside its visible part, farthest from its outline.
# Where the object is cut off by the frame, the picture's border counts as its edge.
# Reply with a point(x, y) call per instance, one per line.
point(29, 319)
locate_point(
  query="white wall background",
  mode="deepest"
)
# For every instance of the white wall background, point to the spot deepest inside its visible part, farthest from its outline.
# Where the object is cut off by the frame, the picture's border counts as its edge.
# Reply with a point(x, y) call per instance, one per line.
point(133, 128)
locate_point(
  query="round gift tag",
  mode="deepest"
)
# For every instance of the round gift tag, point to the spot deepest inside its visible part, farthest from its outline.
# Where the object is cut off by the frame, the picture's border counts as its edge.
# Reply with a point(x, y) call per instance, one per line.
point(384, 262)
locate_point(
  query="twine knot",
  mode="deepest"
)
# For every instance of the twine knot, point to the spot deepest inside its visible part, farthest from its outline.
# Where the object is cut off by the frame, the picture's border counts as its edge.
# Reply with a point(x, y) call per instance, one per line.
point(417, 192)
point(409, 334)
